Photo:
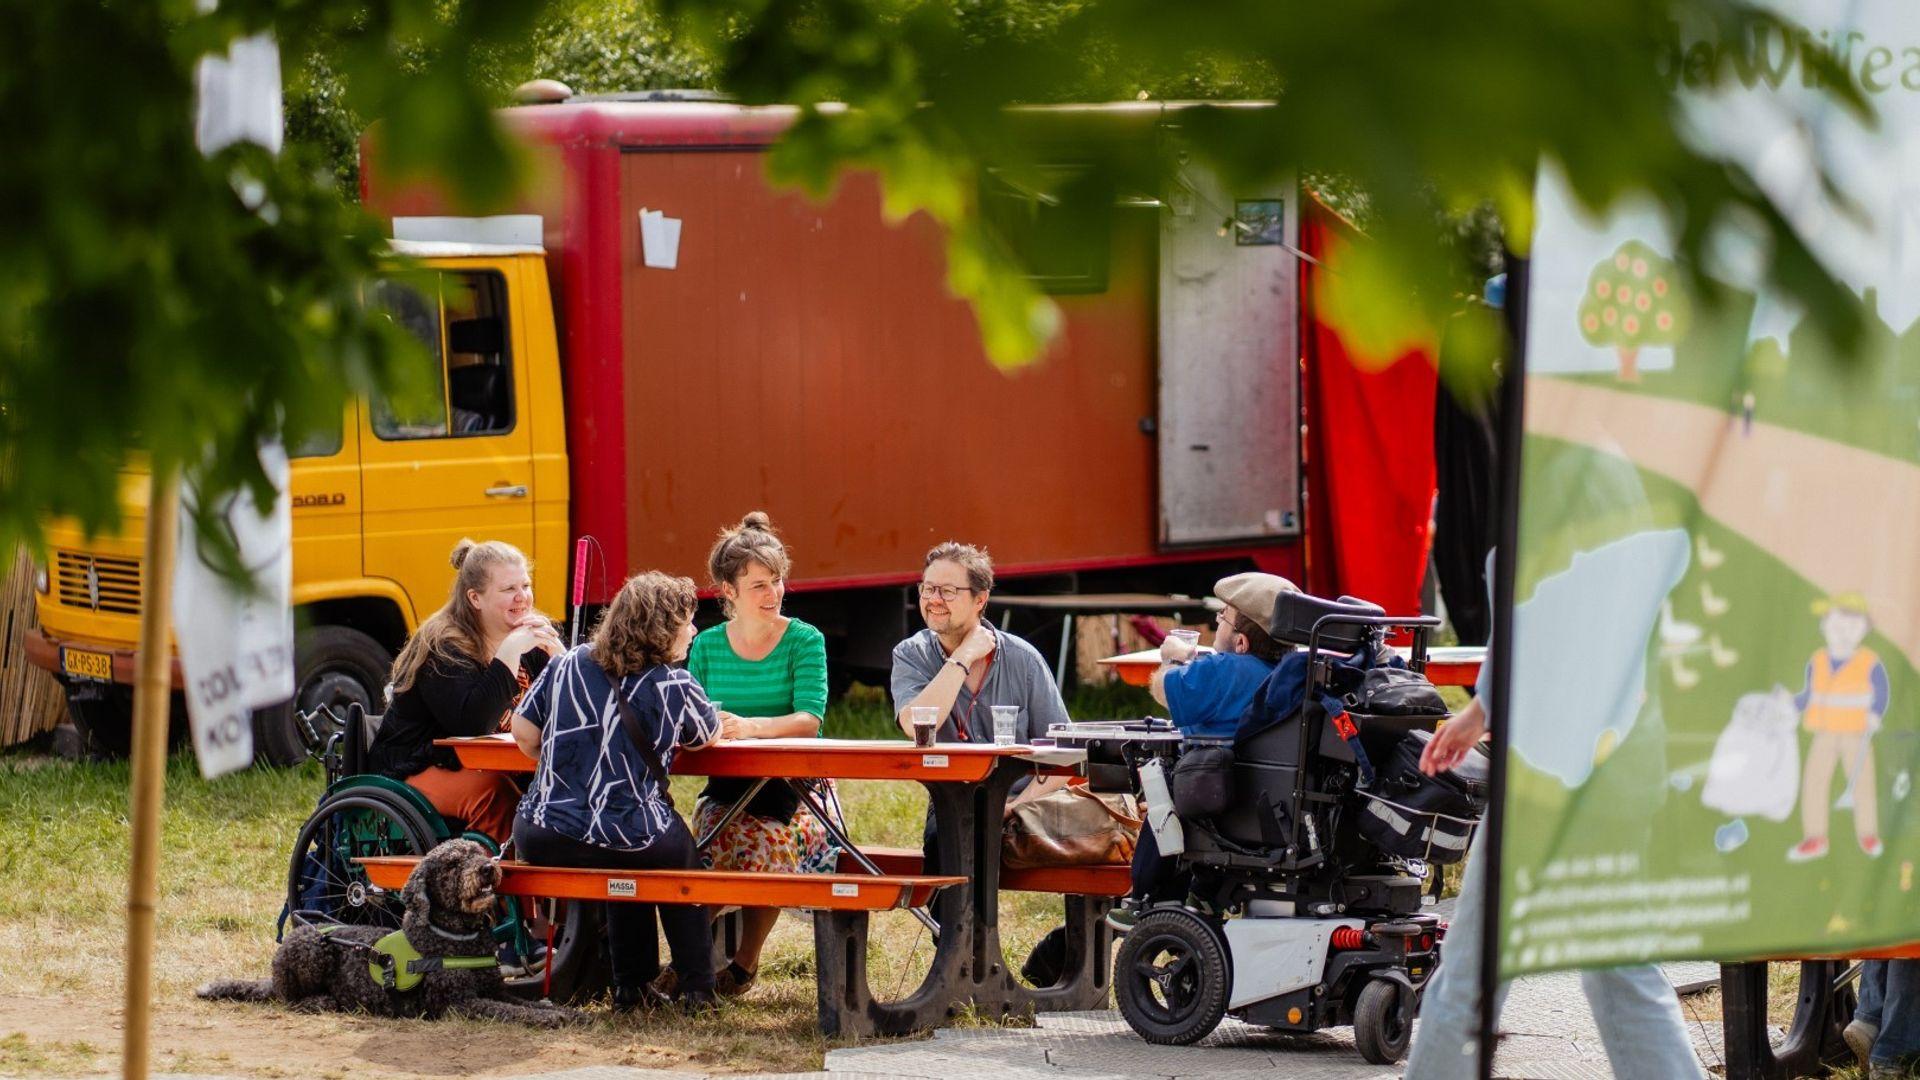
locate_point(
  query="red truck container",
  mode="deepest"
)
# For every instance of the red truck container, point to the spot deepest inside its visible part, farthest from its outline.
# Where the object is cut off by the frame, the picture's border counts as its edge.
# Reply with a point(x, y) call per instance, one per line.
point(805, 358)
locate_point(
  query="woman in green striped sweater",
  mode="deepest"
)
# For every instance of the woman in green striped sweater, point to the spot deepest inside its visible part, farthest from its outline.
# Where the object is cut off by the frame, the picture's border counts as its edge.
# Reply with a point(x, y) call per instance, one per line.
point(769, 674)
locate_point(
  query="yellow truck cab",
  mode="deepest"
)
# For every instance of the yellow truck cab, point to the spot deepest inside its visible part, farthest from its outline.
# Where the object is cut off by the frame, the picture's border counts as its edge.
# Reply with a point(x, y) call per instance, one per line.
point(378, 505)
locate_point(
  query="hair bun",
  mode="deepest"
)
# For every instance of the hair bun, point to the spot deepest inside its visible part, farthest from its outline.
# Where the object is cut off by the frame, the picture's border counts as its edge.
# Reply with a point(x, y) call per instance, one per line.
point(460, 552)
point(757, 520)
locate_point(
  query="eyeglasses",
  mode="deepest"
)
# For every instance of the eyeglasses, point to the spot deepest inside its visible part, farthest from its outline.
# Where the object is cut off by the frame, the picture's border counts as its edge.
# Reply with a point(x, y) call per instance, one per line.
point(947, 593)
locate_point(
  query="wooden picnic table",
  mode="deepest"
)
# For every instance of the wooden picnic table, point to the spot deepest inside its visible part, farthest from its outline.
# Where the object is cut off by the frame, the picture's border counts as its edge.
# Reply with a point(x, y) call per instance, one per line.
point(1447, 665)
point(967, 786)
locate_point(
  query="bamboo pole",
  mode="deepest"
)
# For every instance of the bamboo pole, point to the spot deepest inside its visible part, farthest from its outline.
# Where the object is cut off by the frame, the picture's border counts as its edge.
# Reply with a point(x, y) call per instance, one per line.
point(152, 694)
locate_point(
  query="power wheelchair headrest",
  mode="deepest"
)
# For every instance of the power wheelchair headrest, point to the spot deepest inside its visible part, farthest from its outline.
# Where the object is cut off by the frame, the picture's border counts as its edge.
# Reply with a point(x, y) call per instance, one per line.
point(1295, 613)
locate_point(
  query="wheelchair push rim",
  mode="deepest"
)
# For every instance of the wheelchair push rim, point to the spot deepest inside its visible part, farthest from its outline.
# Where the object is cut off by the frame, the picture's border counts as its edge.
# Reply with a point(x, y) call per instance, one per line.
point(322, 875)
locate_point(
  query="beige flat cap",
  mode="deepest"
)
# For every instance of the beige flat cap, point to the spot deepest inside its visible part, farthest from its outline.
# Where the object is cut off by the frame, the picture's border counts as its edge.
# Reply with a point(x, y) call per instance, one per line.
point(1253, 594)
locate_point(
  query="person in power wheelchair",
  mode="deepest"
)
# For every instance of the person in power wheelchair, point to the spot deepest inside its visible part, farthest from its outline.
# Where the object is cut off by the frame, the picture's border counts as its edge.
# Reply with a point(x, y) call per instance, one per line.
point(1304, 835)
point(1205, 695)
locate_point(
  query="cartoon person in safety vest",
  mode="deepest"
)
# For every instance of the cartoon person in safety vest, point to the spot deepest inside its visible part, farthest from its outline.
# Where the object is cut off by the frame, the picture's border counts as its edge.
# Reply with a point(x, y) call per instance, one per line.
point(1845, 697)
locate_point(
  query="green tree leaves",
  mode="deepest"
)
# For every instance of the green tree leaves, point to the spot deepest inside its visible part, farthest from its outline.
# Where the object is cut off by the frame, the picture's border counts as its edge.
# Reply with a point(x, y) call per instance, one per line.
point(159, 303)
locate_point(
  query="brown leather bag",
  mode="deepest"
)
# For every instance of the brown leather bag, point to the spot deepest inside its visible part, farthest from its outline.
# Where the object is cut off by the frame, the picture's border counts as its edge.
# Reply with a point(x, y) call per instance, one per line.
point(1070, 827)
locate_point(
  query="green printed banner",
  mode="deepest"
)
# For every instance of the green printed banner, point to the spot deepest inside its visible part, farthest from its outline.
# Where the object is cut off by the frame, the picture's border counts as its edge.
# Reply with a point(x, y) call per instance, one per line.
point(1713, 733)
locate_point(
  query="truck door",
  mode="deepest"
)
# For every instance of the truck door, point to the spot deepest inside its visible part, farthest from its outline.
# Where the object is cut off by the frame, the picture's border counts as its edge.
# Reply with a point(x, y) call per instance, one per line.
point(460, 463)
point(1229, 362)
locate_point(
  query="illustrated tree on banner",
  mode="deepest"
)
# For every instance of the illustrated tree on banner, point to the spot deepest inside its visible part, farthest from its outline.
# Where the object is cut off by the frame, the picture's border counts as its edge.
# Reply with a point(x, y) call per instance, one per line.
point(1633, 301)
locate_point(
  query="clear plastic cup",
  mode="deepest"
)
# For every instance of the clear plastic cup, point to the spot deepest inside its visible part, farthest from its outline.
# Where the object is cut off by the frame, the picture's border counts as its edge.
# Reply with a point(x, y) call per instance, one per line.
point(926, 724)
point(1006, 725)
point(1189, 641)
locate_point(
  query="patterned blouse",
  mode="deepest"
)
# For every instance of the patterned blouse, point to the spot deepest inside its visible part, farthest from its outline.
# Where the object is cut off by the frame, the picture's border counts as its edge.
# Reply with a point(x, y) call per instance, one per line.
point(592, 784)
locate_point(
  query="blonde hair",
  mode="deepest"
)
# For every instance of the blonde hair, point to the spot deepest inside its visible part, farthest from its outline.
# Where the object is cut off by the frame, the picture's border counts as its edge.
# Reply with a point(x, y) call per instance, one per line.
point(453, 633)
point(751, 541)
point(639, 628)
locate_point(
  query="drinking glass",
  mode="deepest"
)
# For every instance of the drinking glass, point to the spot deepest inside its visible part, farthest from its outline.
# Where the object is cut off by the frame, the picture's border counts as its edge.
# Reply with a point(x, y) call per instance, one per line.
point(1006, 725)
point(926, 722)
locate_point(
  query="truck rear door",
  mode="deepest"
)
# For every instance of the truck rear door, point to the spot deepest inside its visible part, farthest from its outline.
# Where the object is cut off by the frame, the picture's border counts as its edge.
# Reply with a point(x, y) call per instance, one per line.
point(1229, 363)
point(460, 463)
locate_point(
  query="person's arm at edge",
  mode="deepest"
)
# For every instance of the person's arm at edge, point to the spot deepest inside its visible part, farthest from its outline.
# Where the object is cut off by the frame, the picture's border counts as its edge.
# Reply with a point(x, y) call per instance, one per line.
point(1451, 744)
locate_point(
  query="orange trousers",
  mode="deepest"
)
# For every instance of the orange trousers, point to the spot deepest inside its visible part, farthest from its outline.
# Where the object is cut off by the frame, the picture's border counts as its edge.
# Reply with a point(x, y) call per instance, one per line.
point(486, 801)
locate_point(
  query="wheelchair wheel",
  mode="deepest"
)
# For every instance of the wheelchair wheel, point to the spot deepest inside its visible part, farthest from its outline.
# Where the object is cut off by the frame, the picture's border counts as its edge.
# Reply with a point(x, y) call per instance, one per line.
point(578, 961)
point(1382, 1027)
point(323, 878)
point(1171, 977)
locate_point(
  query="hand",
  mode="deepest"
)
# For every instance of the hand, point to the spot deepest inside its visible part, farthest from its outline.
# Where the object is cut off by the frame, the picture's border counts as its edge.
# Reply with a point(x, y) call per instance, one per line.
point(1175, 651)
point(1451, 744)
point(518, 641)
point(736, 727)
point(979, 644)
point(546, 638)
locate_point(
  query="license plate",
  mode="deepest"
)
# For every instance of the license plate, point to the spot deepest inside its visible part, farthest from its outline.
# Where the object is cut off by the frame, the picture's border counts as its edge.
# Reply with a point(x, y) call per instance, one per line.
point(81, 664)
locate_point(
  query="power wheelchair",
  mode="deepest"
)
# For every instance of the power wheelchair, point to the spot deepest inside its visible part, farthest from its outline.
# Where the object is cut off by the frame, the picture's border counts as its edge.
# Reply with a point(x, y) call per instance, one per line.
point(1308, 838)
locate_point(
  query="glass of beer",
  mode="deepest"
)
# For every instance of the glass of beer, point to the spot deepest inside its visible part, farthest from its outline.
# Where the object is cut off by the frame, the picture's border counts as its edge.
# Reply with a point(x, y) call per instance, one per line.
point(926, 722)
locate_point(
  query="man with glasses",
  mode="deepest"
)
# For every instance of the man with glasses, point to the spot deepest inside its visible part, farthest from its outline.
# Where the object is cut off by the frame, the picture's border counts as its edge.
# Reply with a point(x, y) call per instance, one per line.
point(963, 667)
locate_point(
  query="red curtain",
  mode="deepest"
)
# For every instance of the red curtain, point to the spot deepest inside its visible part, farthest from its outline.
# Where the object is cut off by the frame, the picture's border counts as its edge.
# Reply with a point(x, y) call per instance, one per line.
point(1370, 474)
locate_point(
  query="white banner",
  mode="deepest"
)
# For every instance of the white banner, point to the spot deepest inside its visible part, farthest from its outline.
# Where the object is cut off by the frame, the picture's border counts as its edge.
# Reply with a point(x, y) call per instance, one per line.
point(240, 96)
point(236, 645)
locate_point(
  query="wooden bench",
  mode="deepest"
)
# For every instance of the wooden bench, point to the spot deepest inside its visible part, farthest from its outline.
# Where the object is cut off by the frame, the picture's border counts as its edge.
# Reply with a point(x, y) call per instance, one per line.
point(830, 892)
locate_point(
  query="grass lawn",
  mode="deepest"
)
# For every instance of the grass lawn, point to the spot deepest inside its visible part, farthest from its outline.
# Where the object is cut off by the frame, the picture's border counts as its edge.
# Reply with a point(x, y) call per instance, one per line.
point(63, 867)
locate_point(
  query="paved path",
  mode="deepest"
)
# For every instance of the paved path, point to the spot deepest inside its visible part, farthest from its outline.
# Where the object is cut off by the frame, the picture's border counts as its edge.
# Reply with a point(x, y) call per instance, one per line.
point(1824, 509)
point(1548, 1034)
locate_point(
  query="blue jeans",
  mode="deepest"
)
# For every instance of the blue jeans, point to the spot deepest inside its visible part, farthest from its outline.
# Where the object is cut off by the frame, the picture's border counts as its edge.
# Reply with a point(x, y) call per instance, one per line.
point(1635, 1008)
point(1890, 1001)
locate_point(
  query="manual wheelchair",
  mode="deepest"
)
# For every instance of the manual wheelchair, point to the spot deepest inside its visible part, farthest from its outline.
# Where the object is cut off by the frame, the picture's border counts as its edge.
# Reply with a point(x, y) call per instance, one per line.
point(362, 814)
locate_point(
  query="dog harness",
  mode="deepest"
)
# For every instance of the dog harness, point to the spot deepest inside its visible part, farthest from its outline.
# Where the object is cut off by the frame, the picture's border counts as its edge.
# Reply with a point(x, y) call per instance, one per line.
point(393, 962)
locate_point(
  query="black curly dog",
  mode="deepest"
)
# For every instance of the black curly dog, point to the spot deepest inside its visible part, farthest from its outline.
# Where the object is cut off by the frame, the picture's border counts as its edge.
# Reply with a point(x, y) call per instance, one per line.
point(449, 901)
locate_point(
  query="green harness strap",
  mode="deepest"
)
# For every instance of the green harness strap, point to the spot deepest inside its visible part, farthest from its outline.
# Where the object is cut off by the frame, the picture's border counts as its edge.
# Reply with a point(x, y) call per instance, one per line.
point(397, 965)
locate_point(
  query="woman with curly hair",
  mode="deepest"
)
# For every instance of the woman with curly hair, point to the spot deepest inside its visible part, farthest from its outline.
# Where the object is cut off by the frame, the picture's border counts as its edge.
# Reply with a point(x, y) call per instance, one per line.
point(770, 673)
point(603, 721)
point(459, 675)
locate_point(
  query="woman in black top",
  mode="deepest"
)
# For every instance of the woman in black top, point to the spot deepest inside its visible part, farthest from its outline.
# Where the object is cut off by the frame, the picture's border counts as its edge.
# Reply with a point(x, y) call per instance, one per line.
point(460, 675)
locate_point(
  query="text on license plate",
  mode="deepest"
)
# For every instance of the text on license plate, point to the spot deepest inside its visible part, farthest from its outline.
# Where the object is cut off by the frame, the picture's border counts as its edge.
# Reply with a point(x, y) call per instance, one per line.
point(82, 664)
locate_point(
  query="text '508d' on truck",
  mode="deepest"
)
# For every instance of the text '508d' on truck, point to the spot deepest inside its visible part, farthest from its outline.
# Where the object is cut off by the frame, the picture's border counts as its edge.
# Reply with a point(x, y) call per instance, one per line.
point(793, 356)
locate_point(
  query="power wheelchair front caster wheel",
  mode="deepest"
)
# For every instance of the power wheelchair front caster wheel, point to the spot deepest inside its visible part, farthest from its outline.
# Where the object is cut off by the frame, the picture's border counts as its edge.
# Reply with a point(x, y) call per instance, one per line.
point(1171, 977)
point(1383, 1022)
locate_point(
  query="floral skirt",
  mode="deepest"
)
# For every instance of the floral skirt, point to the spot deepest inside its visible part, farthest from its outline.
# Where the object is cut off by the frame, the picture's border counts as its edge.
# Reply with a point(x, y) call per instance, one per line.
point(751, 843)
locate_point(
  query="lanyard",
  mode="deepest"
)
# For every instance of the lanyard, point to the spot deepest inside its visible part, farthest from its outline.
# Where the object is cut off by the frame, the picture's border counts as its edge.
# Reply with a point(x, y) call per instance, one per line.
point(965, 723)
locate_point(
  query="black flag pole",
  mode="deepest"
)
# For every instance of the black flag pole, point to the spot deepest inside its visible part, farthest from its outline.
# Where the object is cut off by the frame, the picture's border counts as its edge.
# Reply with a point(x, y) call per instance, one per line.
point(1513, 397)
